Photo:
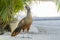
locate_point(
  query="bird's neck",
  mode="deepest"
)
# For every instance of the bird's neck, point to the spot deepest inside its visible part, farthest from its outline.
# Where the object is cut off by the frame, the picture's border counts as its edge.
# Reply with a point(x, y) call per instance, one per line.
point(29, 13)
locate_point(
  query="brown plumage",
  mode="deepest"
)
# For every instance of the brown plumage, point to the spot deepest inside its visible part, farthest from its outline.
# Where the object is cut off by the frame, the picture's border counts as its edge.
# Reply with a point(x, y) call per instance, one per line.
point(25, 23)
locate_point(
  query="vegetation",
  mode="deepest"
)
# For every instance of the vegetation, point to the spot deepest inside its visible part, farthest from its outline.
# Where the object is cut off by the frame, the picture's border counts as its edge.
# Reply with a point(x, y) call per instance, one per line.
point(8, 8)
point(58, 4)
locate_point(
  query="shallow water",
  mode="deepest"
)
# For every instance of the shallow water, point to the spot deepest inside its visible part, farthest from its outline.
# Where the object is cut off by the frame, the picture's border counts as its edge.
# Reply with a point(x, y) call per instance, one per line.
point(47, 23)
point(50, 26)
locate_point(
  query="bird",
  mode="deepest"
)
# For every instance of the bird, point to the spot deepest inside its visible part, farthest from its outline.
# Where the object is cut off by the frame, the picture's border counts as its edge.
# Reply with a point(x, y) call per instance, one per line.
point(25, 23)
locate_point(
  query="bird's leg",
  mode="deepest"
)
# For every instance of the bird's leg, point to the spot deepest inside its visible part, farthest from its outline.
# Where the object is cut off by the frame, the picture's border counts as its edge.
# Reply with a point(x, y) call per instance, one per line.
point(23, 29)
point(28, 35)
point(23, 33)
point(28, 29)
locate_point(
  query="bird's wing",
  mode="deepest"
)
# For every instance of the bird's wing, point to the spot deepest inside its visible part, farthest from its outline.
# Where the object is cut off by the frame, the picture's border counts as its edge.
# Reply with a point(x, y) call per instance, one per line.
point(18, 29)
point(21, 23)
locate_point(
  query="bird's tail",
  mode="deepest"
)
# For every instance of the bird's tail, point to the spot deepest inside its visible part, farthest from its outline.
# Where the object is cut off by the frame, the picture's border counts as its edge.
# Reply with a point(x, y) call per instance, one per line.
point(16, 31)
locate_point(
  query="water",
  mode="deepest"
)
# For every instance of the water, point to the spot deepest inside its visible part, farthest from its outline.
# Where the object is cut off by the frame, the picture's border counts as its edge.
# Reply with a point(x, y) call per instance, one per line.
point(47, 23)
point(49, 26)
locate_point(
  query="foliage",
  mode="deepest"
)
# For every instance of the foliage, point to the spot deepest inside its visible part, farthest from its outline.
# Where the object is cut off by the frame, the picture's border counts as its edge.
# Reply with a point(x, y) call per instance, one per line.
point(8, 8)
point(58, 4)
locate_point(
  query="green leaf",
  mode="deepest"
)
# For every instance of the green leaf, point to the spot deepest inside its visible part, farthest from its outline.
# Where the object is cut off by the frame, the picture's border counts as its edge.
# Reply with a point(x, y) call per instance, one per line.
point(8, 8)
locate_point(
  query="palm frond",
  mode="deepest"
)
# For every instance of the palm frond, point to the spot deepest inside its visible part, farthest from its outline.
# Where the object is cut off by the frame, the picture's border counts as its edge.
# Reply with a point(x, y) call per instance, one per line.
point(8, 8)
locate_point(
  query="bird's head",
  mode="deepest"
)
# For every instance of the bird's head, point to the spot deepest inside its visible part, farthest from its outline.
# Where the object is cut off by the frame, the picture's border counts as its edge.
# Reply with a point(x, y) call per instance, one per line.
point(27, 7)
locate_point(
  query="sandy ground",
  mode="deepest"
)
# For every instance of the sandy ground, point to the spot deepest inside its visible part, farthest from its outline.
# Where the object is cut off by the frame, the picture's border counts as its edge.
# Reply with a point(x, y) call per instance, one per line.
point(33, 35)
